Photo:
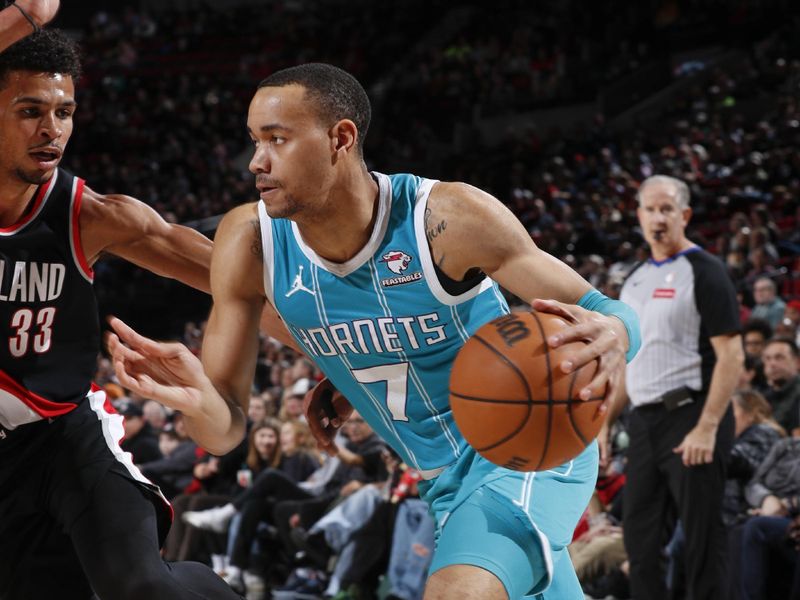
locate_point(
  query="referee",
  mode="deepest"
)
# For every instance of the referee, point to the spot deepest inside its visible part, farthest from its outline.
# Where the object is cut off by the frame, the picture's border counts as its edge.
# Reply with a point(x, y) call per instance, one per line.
point(679, 385)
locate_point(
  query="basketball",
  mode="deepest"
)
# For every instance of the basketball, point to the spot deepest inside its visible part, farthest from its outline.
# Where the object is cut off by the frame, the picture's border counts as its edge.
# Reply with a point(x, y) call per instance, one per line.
point(511, 400)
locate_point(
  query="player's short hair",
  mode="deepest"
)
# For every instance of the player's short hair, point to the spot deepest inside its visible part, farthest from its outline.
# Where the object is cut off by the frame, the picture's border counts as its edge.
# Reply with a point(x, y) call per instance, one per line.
point(337, 94)
point(681, 189)
point(45, 51)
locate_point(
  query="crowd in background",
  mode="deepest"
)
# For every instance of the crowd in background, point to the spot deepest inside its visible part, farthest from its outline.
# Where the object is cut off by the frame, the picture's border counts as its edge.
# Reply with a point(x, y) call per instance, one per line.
point(161, 118)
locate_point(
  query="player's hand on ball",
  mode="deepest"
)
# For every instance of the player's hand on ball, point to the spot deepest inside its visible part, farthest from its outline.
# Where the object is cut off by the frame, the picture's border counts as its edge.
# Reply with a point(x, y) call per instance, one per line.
point(326, 410)
point(166, 372)
point(607, 341)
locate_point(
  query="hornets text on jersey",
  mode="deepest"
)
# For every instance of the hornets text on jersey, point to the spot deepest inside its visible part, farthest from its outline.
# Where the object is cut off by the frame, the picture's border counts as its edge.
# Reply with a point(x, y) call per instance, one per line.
point(49, 355)
point(381, 326)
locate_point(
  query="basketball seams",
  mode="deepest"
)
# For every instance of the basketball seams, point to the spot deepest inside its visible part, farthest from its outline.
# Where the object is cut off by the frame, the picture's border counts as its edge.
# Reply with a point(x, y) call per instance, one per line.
point(513, 343)
point(529, 401)
point(549, 389)
point(512, 401)
point(569, 408)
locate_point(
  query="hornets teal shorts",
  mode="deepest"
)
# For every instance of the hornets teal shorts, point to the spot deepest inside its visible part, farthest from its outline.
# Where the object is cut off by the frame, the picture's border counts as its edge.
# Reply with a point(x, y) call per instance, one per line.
point(515, 525)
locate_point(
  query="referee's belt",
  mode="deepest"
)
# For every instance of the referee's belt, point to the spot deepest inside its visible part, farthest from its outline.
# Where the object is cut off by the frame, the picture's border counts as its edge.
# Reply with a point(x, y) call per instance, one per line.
point(675, 399)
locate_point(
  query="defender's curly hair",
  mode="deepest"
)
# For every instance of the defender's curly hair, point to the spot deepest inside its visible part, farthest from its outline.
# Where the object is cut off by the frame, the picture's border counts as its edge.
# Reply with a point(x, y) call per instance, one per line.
point(45, 51)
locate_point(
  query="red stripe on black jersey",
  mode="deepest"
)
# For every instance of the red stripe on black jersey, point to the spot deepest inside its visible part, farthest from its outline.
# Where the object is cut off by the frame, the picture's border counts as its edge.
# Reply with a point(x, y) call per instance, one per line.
point(75, 227)
point(34, 211)
point(41, 406)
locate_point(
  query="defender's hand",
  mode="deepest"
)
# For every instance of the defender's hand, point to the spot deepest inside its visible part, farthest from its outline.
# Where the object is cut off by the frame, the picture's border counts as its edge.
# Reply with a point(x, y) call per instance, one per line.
point(606, 340)
point(326, 410)
point(166, 372)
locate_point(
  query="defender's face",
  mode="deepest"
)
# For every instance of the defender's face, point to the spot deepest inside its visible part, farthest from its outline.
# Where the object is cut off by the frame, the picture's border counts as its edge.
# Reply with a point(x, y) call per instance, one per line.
point(35, 123)
point(294, 151)
point(662, 219)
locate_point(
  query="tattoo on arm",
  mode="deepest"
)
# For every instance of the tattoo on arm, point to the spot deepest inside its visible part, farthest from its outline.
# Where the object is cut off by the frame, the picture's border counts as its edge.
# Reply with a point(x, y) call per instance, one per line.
point(255, 246)
point(432, 232)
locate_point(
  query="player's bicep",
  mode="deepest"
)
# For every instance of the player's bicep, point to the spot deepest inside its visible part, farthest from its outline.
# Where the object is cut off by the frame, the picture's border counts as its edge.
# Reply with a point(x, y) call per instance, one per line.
point(484, 234)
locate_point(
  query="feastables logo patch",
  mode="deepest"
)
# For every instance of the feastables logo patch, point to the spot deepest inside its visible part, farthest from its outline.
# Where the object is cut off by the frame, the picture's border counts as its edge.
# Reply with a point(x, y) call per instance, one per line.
point(397, 262)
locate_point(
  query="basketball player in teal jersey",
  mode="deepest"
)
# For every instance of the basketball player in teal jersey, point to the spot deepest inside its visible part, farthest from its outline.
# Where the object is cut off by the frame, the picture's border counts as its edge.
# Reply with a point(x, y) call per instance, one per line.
point(380, 280)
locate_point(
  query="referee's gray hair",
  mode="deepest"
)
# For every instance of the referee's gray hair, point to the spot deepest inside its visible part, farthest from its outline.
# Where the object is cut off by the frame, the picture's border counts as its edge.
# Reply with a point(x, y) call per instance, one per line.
point(681, 189)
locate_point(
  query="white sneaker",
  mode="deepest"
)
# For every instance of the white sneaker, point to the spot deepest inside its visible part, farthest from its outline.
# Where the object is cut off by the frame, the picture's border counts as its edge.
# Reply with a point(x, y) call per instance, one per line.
point(218, 563)
point(213, 519)
point(233, 577)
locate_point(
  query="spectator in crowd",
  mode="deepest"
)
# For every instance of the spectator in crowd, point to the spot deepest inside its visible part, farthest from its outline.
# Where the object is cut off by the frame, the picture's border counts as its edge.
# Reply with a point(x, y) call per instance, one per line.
point(681, 427)
point(141, 438)
point(752, 376)
point(299, 452)
point(755, 334)
point(292, 403)
point(174, 471)
point(790, 323)
point(782, 371)
point(257, 409)
point(155, 414)
point(774, 494)
point(768, 305)
point(756, 432)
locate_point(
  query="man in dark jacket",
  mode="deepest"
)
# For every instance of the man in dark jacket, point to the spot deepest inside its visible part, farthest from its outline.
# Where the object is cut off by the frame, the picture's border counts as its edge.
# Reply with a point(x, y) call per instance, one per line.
point(782, 370)
point(141, 440)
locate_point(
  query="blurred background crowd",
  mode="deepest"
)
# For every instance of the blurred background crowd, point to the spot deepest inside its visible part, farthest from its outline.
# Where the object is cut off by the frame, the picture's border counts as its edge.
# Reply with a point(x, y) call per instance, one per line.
point(558, 108)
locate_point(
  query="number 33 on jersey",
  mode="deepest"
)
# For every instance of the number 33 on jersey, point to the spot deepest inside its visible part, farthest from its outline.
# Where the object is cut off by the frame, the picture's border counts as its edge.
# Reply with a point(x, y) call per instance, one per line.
point(46, 299)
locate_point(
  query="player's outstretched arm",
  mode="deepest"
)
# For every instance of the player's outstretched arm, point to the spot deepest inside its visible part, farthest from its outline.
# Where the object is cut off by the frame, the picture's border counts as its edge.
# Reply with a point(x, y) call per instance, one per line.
point(23, 18)
point(214, 394)
point(459, 215)
point(125, 227)
point(170, 374)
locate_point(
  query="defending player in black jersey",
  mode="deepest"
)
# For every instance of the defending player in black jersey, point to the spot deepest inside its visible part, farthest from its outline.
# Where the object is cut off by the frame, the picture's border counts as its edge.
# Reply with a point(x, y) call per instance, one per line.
point(77, 518)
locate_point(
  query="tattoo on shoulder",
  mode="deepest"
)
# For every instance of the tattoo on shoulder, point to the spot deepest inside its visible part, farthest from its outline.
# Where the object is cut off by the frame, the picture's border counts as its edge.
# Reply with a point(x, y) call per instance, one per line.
point(255, 246)
point(433, 231)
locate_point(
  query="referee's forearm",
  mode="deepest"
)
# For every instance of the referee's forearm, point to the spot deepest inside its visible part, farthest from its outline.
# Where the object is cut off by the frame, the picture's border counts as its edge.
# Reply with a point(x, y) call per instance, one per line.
point(723, 382)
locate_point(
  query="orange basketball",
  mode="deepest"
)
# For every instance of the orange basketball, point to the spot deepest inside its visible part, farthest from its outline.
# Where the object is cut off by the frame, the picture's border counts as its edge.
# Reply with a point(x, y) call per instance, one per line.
point(511, 400)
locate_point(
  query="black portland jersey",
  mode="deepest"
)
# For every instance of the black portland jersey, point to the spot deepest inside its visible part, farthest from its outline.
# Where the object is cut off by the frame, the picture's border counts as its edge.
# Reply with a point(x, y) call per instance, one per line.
point(48, 313)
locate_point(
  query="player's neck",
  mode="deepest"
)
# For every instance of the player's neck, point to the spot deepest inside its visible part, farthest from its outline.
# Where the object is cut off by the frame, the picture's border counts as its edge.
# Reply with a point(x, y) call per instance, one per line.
point(16, 198)
point(347, 223)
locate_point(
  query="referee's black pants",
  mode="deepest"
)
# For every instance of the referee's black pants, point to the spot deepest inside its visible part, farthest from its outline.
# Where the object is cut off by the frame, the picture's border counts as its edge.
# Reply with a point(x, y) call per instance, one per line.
point(659, 487)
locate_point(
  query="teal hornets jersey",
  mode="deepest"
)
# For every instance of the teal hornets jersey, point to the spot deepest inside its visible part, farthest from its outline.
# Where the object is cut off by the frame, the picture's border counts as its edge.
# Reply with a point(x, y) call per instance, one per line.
point(381, 326)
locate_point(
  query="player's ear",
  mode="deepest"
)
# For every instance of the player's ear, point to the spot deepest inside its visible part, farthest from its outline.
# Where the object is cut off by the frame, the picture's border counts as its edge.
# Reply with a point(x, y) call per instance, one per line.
point(344, 135)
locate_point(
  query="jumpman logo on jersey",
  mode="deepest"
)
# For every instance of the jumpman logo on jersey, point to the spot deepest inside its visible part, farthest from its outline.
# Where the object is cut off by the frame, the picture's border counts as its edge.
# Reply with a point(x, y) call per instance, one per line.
point(297, 285)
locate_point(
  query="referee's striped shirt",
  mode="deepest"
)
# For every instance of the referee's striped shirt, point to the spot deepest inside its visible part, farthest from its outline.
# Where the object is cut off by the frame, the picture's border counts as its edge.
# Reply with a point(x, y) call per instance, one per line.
point(682, 302)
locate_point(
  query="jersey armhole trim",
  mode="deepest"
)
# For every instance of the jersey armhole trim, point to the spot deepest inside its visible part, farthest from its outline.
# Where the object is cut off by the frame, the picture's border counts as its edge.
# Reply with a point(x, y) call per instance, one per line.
point(435, 286)
point(267, 250)
point(38, 205)
point(75, 231)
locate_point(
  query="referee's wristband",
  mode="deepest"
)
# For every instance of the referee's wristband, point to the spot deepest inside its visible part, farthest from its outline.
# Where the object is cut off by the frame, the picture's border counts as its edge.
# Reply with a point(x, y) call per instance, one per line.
point(25, 14)
point(594, 300)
